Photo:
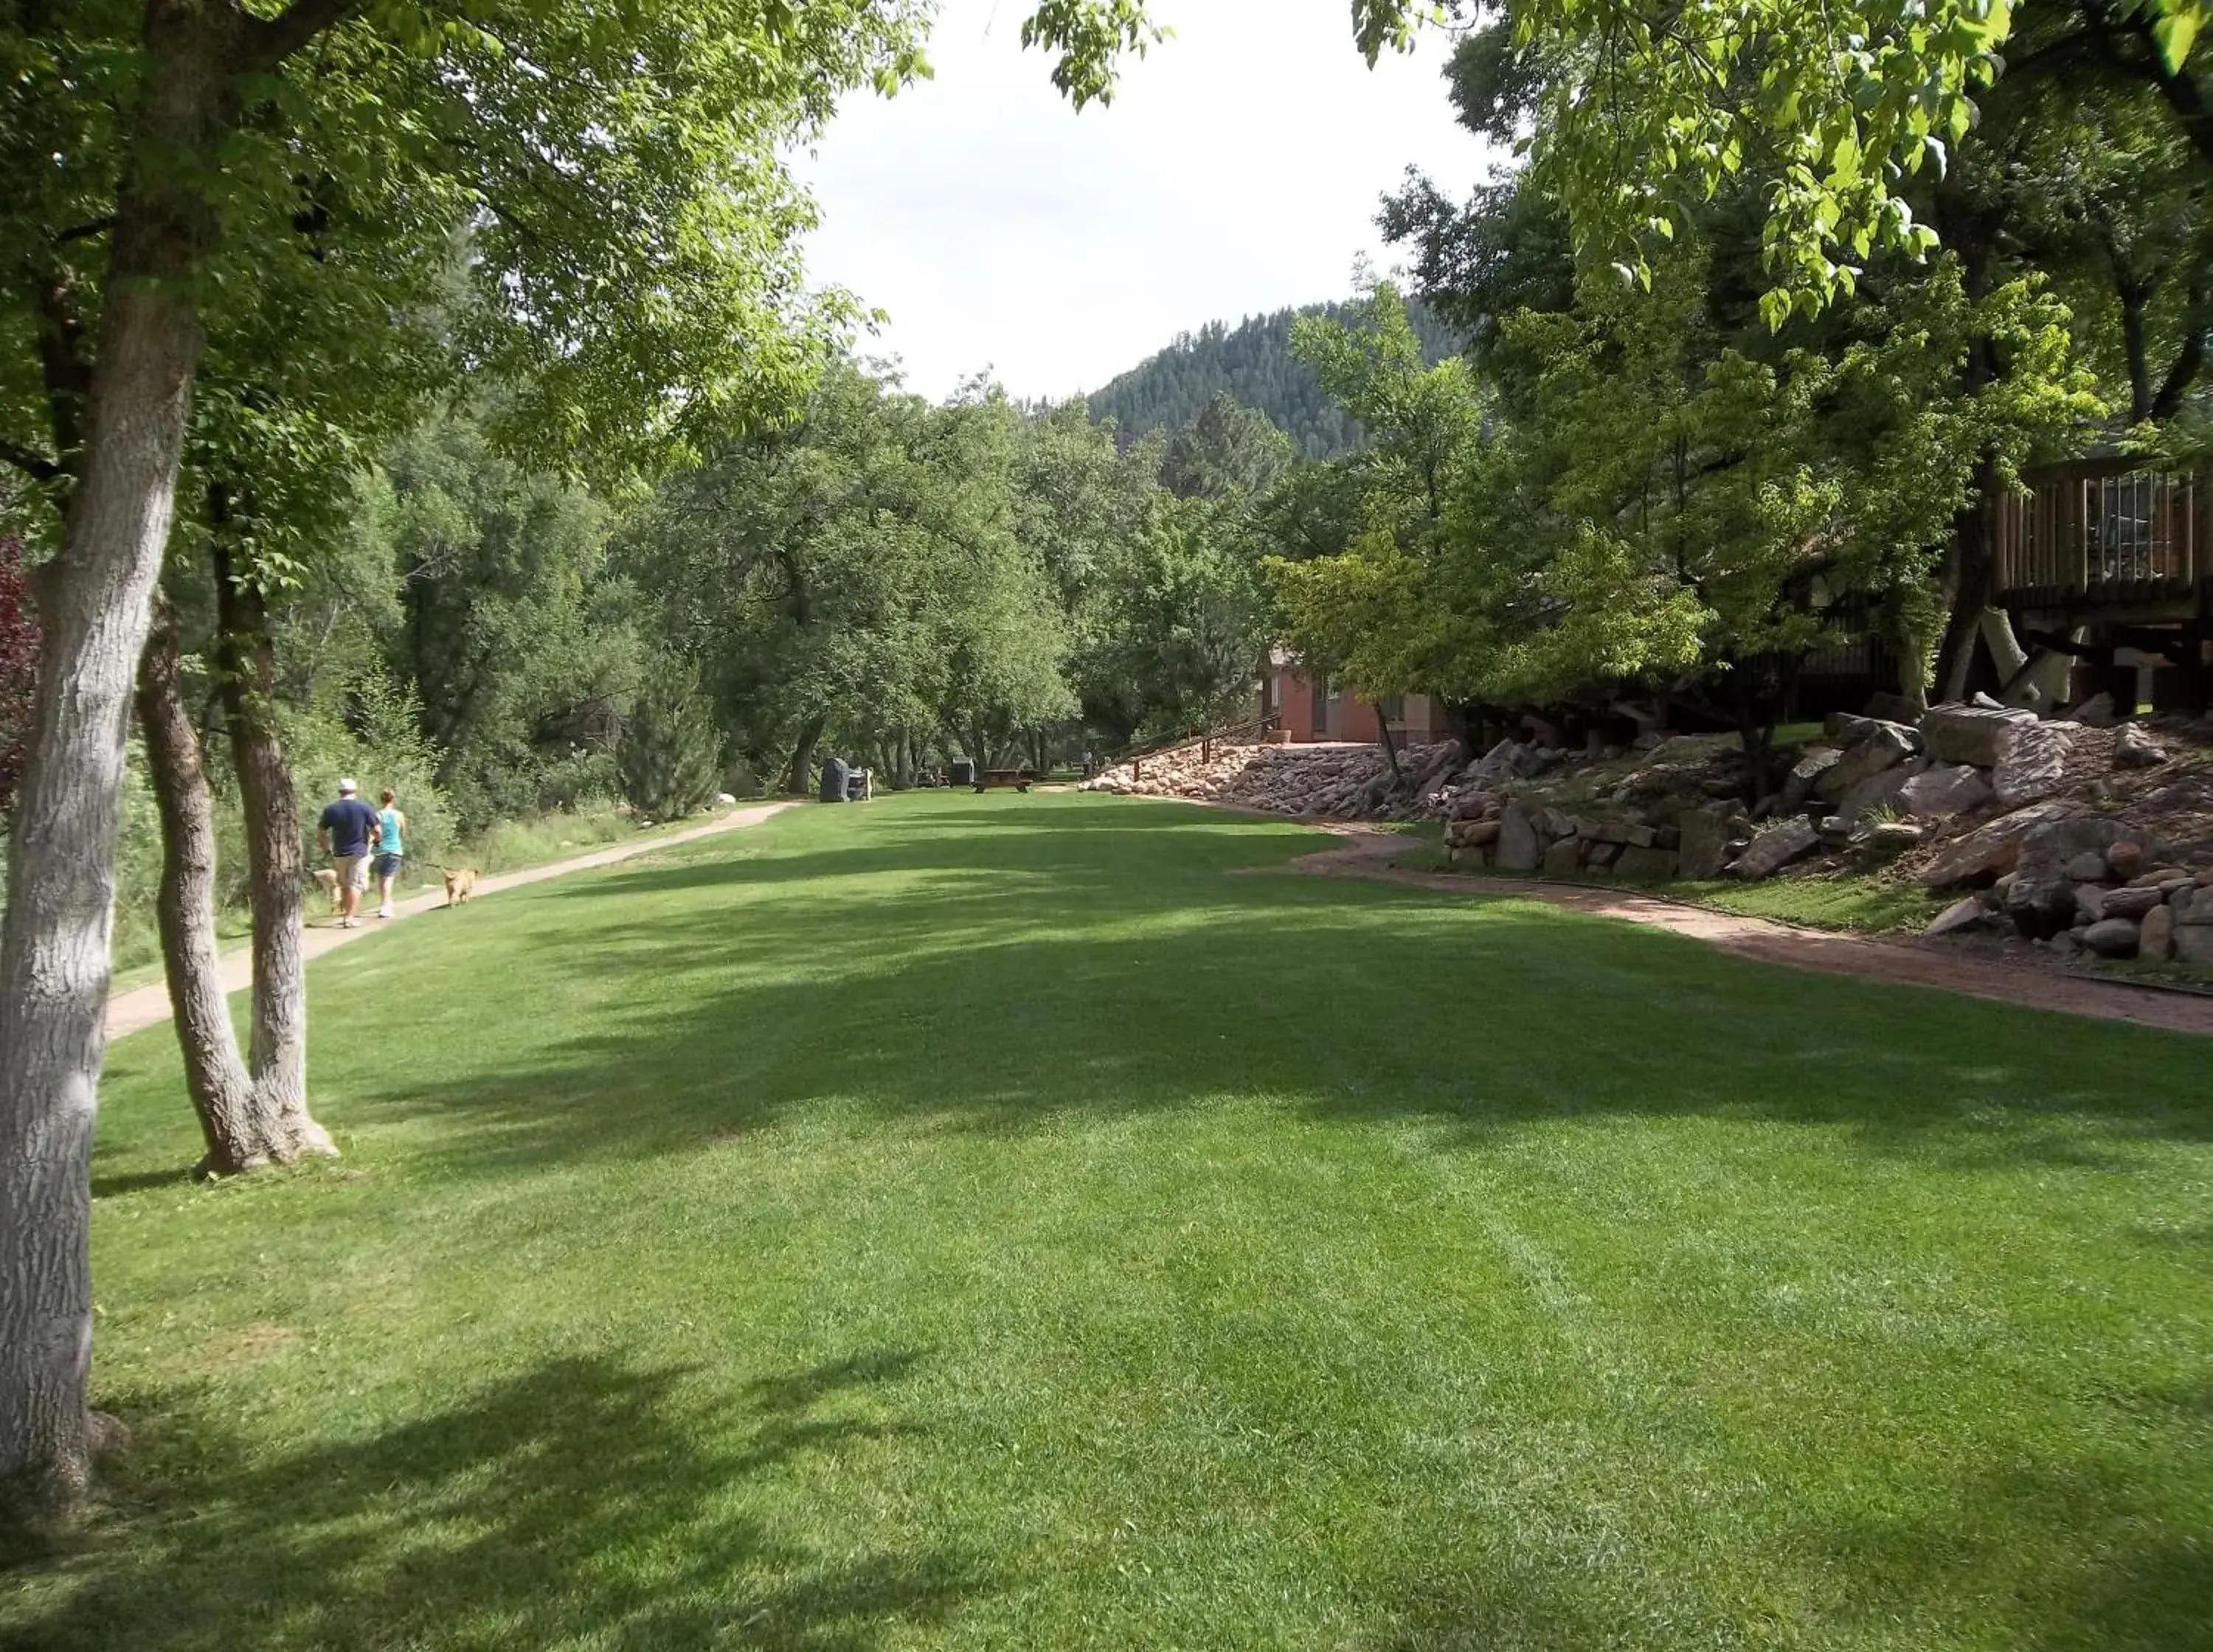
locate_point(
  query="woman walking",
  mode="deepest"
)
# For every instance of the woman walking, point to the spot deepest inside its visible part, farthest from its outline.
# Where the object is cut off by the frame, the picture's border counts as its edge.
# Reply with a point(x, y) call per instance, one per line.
point(390, 849)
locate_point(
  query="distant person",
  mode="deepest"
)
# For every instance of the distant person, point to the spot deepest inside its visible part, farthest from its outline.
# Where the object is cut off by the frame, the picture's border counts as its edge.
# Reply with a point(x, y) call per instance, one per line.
point(390, 849)
point(344, 833)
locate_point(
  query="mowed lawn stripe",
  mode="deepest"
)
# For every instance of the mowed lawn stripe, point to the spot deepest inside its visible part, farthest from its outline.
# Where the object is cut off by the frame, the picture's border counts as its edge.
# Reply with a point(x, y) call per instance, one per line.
point(1030, 1221)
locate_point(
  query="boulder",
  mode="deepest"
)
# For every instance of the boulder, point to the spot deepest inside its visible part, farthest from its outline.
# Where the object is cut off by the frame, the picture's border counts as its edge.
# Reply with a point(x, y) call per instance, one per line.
point(2193, 927)
point(2041, 907)
point(1885, 747)
point(2125, 859)
point(1877, 791)
point(1564, 858)
point(1848, 730)
point(2088, 867)
point(1775, 849)
point(2112, 937)
point(1964, 914)
point(1602, 856)
point(2065, 946)
point(1953, 790)
point(2137, 903)
point(1479, 834)
point(2160, 877)
point(2156, 933)
point(1652, 863)
point(2056, 849)
point(2090, 903)
point(1989, 850)
point(1806, 773)
point(2135, 748)
point(2031, 761)
point(1519, 850)
point(2096, 712)
point(1968, 734)
point(1706, 839)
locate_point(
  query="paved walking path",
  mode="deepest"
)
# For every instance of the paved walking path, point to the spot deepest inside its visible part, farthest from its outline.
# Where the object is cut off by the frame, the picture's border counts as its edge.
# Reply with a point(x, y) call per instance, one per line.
point(147, 1005)
point(1369, 854)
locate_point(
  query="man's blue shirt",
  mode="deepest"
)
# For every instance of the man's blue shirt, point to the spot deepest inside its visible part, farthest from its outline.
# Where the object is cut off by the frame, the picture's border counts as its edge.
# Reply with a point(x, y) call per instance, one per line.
point(351, 823)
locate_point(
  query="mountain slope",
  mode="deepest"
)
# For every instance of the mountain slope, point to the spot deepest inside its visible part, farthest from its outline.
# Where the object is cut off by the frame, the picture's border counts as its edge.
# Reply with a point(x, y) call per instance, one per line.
point(1252, 361)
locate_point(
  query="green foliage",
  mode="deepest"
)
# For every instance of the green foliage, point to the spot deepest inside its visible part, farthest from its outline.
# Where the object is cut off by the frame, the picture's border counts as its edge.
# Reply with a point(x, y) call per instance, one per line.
point(858, 573)
point(1181, 622)
point(1227, 452)
point(1253, 364)
point(485, 586)
point(670, 754)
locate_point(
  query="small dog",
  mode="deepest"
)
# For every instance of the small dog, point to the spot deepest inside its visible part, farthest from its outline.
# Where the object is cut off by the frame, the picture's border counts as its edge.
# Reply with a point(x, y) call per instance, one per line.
point(327, 880)
point(461, 883)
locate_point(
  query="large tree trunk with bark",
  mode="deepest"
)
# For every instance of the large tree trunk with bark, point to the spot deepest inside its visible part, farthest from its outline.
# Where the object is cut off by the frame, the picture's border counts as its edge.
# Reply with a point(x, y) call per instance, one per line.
point(94, 609)
point(215, 1076)
point(1968, 585)
point(801, 776)
point(278, 1047)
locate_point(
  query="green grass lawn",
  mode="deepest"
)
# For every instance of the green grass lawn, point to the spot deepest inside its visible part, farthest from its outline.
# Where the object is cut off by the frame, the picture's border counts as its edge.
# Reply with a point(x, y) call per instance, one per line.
point(989, 1222)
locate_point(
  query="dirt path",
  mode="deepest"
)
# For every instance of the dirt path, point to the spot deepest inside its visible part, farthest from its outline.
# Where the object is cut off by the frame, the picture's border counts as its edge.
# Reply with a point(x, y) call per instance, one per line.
point(146, 1005)
point(1368, 854)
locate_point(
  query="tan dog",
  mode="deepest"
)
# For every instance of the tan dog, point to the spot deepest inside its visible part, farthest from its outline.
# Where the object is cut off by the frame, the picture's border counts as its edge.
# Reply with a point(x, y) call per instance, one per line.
point(327, 881)
point(461, 884)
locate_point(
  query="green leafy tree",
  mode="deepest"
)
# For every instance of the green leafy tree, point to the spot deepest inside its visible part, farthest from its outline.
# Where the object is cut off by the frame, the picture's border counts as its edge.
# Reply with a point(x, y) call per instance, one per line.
point(625, 173)
point(671, 753)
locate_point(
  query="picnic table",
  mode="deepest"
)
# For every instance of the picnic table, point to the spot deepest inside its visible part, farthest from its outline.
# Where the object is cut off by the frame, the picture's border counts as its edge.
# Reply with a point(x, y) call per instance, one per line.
point(1018, 778)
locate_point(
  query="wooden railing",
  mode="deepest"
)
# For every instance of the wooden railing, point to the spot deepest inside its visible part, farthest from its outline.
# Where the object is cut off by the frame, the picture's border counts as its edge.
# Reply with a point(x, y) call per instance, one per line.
point(2097, 528)
point(1251, 732)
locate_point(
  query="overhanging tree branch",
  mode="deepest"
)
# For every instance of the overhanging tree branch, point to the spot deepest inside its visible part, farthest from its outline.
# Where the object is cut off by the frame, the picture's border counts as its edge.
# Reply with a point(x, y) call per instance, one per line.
point(271, 41)
point(32, 465)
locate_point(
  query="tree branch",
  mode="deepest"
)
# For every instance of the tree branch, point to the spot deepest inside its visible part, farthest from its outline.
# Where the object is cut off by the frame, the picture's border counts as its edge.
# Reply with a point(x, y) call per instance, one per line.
point(269, 40)
point(85, 231)
point(32, 465)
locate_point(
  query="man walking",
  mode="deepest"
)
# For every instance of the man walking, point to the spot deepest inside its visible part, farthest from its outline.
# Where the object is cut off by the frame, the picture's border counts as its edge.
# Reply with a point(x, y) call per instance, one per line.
point(343, 834)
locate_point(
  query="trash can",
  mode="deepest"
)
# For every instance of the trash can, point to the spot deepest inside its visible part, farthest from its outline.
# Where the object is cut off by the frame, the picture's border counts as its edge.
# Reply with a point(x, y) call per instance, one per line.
point(963, 772)
point(834, 776)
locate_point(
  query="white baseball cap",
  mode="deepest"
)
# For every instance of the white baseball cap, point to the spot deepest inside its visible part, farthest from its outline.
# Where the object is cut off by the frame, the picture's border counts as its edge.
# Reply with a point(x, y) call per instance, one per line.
point(345, 786)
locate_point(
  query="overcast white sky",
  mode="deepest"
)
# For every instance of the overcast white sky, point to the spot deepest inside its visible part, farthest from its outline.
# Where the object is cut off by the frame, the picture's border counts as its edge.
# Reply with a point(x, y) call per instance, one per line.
point(1237, 171)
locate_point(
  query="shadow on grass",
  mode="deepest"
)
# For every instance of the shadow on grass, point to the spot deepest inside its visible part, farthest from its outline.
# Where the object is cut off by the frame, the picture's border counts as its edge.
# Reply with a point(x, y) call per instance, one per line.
point(991, 970)
point(583, 1503)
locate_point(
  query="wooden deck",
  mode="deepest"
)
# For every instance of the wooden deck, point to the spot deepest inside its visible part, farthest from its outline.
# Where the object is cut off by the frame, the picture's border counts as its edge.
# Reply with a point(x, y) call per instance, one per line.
point(2112, 538)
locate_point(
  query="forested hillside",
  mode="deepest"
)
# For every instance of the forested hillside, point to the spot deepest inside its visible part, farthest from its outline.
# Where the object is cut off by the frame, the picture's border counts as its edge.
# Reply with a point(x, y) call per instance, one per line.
point(1251, 363)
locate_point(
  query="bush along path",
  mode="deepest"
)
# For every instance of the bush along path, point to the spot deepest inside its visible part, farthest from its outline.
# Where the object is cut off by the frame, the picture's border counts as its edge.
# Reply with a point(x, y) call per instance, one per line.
point(1369, 853)
point(149, 1006)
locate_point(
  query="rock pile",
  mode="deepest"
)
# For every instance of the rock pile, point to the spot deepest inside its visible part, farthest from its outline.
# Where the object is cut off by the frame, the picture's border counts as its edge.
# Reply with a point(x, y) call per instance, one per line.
point(1332, 782)
point(1872, 788)
point(2016, 812)
point(2080, 883)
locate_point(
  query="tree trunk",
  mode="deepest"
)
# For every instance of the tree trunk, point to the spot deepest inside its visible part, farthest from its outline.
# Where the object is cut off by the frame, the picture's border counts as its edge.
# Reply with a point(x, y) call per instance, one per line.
point(94, 608)
point(215, 1076)
point(1390, 751)
point(2132, 341)
point(802, 774)
point(1967, 585)
point(278, 1047)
